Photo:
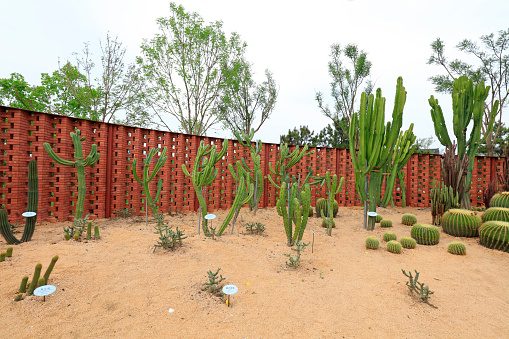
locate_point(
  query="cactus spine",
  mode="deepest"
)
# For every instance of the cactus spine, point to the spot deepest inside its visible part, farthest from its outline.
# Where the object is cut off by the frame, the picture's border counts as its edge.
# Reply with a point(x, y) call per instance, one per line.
point(457, 247)
point(495, 235)
point(378, 147)
point(50, 269)
point(388, 236)
point(32, 206)
point(80, 163)
point(372, 242)
point(408, 242)
point(468, 106)
point(461, 223)
point(425, 234)
point(408, 219)
point(35, 279)
point(500, 200)
point(334, 187)
point(203, 174)
point(394, 247)
point(497, 214)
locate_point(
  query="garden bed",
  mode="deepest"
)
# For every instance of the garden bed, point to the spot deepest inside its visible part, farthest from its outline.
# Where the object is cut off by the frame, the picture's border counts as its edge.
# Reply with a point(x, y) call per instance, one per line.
point(118, 287)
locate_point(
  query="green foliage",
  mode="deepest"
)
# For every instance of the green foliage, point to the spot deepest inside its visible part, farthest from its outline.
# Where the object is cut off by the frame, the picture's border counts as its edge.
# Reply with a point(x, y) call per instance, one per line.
point(457, 247)
point(394, 247)
point(419, 288)
point(385, 223)
point(294, 262)
point(408, 219)
point(214, 283)
point(372, 242)
point(461, 223)
point(500, 200)
point(408, 242)
point(333, 135)
point(17, 92)
point(422, 145)
point(496, 214)
point(168, 239)
point(255, 228)
point(442, 199)
point(495, 235)
point(388, 236)
point(500, 140)
point(425, 234)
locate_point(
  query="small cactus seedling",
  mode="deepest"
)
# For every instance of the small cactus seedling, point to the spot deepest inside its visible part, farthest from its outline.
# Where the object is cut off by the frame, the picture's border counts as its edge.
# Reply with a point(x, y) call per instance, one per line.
point(372, 242)
point(394, 247)
point(385, 223)
point(2, 256)
point(388, 236)
point(425, 234)
point(407, 242)
point(419, 288)
point(23, 286)
point(8, 253)
point(457, 247)
point(214, 283)
point(18, 297)
point(35, 279)
point(408, 219)
point(97, 236)
point(89, 230)
point(41, 282)
point(294, 262)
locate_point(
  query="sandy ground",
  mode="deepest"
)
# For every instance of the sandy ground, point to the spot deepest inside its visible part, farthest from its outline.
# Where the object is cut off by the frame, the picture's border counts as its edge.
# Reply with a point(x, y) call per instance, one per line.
point(118, 287)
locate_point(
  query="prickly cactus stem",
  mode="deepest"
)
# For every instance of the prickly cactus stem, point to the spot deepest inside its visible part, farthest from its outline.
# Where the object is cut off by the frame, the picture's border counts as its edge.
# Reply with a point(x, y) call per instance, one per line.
point(41, 282)
point(35, 279)
point(2, 256)
point(89, 230)
point(96, 232)
point(18, 297)
point(8, 253)
point(50, 269)
point(23, 286)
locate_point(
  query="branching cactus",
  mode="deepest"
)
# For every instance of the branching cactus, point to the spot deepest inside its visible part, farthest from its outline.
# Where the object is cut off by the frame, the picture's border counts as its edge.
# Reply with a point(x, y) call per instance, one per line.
point(33, 201)
point(468, 106)
point(147, 178)
point(294, 207)
point(286, 161)
point(255, 173)
point(80, 163)
point(334, 187)
point(245, 191)
point(380, 148)
point(203, 174)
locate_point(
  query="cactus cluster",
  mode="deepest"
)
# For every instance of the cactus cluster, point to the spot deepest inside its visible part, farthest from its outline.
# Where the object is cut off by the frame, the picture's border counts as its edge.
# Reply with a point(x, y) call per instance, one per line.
point(496, 214)
point(299, 203)
point(6, 254)
point(37, 280)
point(334, 185)
point(385, 223)
point(461, 223)
point(457, 248)
point(407, 242)
point(394, 247)
point(425, 234)
point(321, 208)
point(495, 235)
point(408, 219)
point(500, 200)
point(388, 236)
point(372, 242)
point(442, 199)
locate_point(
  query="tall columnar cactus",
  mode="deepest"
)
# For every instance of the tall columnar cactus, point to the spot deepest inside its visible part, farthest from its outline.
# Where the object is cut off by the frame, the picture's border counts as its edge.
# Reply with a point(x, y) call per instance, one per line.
point(255, 173)
point(497, 214)
point(442, 199)
point(297, 211)
point(147, 178)
point(500, 200)
point(380, 148)
point(33, 201)
point(203, 174)
point(80, 163)
point(495, 235)
point(461, 223)
point(425, 234)
point(468, 106)
point(334, 187)
point(245, 191)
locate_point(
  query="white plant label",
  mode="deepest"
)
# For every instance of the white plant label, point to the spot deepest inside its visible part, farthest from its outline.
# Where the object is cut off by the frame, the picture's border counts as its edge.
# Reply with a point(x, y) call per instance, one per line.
point(44, 290)
point(29, 214)
point(230, 289)
point(372, 214)
point(210, 216)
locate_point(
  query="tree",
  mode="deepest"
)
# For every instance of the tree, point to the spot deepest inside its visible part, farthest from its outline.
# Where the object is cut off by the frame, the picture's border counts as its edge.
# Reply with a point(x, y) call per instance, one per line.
point(186, 67)
point(498, 143)
point(422, 145)
point(17, 92)
point(331, 136)
point(345, 82)
point(302, 136)
point(243, 98)
point(492, 68)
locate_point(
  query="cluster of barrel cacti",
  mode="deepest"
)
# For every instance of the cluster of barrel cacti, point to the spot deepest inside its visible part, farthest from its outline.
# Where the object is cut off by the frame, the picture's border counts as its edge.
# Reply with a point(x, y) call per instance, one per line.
point(425, 234)
point(461, 223)
point(408, 219)
point(37, 280)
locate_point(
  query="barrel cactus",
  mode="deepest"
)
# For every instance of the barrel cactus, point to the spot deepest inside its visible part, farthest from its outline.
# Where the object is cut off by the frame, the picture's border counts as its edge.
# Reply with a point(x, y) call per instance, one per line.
point(385, 223)
point(388, 236)
point(500, 200)
point(461, 223)
point(394, 247)
point(495, 235)
point(321, 205)
point(425, 234)
point(496, 214)
point(372, 242)
point(325, 223)
point(378, 218)
point(408, 219)
point(407, 242)
point(457, 247)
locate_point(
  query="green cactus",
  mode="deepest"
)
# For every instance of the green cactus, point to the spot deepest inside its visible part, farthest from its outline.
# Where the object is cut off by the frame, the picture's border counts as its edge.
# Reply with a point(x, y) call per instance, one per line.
point(388, 236)
point(147, 178)
point(495, 235)
point(401, 177)
point(461, 223)
point(245, 191)
point(468, 106)
point(457, 247)
point(32, 206)
point(394, 247)
point(327, 223)
point(442, 199)
point(500, 200)
point(407, 242)
point(285, 162)
point(496, 214)
point(23, 286)
point(203, 174)
point(80, 163)
point(96, 232)
point(425, 234)
point(89, 230)
point(8, 253)
point(385, 223)
point(35, 279)
point(50, 269)
point(40, 282)
point(297, 211)
point(18, 297)
point(372, 242)
point(2, 256)
point(378, 219)
point(380, 148)
point(408, 219)
point(334, 187)
point(322, 205)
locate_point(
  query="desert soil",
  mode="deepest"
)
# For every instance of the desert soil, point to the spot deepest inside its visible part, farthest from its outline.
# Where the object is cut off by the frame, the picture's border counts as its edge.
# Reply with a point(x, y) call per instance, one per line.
point(118, 287)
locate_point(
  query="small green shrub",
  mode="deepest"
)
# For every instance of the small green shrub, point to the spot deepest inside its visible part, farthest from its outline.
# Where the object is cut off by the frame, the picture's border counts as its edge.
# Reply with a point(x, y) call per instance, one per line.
point(394, 247)
point(124, 213)
point(419, 288)
point(372, 242)
point(294, 262)
point(457, 247)
point(388, 236)
point(214, 283)
point(385, 223)
point(255, 228)
point(408, 219)
point(168, 239)
point(408, 242)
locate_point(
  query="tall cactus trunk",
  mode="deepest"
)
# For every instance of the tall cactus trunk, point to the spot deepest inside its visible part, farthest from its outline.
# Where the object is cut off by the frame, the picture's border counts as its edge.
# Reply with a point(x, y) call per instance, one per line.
point(82, 192)
point(33, 201)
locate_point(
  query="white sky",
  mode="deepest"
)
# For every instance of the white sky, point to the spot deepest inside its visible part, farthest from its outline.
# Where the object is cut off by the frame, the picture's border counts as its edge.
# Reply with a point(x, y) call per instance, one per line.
point(290, 38)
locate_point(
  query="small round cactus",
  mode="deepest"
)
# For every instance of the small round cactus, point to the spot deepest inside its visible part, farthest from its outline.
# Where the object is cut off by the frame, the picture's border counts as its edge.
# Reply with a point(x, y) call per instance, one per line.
point(496, 214)
point(408, 219)
point(457, 247)
point(495, 235)
point(325, 223)
point(388, 236)
point(461, 223)
point(407, 242)
point(372, 242)
point(378, 218)
point(8, 253)
point(322, 204)
point(500, 200)
point(394, 247)
point(385, 223)
point(425, 234)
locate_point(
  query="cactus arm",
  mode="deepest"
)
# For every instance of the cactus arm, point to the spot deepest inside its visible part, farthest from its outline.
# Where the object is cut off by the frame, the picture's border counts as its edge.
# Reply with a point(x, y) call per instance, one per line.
point(273, 182)
point(6, 229)
point(92, 157)
point(135, 174)
point(55, 157)
point(439, 123)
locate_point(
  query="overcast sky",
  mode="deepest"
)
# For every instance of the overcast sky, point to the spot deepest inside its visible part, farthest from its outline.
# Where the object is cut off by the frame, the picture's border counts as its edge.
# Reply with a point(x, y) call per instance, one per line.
point(290, 38)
